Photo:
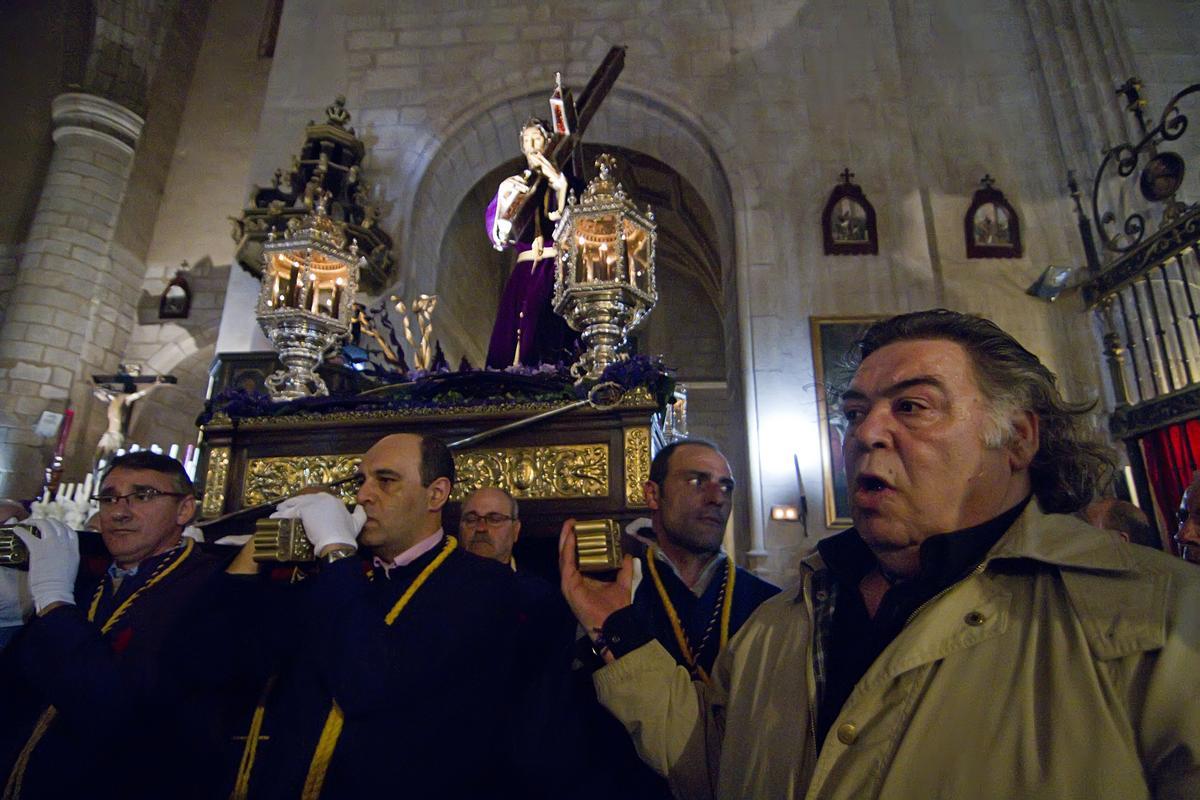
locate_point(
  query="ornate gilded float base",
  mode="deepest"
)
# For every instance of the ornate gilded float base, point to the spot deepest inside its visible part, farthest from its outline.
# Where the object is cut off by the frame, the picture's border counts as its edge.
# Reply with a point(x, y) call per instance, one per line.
point(637, 465)
point(535, 473)
point(214, 482)
point(267, 478)
point(530, 473)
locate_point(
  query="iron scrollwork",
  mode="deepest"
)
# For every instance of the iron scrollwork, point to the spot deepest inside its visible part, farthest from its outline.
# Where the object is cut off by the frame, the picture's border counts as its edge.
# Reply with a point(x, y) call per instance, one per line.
point(1159, 179)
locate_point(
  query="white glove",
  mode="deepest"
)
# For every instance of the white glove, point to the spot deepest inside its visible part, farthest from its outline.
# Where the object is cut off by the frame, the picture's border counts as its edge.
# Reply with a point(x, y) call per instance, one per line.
point(326, 520)
point(53, 560)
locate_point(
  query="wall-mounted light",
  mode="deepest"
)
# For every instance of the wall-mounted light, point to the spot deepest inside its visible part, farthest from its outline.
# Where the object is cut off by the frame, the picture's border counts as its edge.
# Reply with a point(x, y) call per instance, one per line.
point(785, 513)
point(1051, 283)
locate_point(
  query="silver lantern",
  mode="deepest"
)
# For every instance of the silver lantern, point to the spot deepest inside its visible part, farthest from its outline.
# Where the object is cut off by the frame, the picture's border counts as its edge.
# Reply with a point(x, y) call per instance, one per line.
point(305, 303)
point(604, 280)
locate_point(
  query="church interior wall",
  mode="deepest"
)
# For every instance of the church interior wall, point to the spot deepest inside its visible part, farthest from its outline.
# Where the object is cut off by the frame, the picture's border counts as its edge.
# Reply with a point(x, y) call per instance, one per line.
point(203, 181)
point(40, 54)
point(178, 36)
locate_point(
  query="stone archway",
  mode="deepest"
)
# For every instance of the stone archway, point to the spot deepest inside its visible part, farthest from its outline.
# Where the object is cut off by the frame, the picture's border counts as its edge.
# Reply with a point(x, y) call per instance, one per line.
point(686, 327)
point(486, 146)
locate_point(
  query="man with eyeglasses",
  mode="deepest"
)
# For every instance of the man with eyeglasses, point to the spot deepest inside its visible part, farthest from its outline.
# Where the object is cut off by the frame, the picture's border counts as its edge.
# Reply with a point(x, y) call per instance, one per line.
point(489, 526)
point(88, 712)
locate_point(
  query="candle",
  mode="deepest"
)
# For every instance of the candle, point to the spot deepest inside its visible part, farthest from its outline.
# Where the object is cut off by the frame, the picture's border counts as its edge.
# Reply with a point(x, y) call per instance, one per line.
point(315, 295)
point(173, 452)
point(289, 292)
point(336, 308)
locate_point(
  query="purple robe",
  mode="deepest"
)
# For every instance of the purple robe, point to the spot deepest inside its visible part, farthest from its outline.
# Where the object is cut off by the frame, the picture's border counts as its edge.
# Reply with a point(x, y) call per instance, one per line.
point(525, 315)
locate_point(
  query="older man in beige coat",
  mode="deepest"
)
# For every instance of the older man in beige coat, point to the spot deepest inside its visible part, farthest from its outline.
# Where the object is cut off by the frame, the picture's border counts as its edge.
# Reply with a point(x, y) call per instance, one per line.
point(965, 639)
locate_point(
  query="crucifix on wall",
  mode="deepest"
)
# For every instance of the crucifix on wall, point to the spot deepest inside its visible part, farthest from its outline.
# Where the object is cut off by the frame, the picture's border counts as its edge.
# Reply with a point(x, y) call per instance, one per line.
point(120, 392)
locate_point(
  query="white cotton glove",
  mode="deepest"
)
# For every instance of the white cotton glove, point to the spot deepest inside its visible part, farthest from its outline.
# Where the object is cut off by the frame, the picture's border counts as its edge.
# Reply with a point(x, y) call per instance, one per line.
point(53, 560)
point(326, 520)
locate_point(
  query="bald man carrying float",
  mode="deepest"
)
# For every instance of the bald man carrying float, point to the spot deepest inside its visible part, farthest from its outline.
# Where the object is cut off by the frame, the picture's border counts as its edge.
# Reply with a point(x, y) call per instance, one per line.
point(376, 658)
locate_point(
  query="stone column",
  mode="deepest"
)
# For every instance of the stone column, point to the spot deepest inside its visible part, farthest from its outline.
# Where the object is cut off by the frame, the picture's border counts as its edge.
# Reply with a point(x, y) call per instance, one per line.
point(72, 308)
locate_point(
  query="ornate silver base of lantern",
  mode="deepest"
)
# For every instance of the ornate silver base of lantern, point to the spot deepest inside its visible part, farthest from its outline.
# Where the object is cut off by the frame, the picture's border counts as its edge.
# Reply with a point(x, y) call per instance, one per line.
point(604, 317)
point(301, 340)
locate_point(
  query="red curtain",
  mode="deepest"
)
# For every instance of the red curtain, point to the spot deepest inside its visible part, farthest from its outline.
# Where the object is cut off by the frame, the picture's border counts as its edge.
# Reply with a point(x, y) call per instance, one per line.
point(1171, 455)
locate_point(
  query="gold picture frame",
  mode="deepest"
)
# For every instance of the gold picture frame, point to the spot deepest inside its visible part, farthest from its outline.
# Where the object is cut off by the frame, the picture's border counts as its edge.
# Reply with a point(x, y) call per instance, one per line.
point(833, 340)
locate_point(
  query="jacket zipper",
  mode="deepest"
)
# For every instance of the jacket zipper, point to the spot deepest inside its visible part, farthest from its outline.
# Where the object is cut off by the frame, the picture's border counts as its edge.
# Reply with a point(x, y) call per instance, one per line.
point(978, 569)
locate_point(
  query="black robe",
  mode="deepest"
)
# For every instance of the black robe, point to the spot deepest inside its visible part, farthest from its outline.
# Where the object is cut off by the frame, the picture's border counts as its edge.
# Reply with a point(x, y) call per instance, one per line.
point(116, 732)
point(423, 699)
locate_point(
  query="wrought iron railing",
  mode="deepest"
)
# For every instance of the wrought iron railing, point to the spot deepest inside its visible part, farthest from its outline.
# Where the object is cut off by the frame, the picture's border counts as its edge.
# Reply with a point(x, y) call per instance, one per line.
point(1146, 299)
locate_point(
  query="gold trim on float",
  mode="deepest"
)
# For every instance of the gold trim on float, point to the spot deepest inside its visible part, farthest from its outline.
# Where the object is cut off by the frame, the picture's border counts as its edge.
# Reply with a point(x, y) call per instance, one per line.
point(268, 478)
point(214, 482)
point(637, 466)
point(635, 398)
point(535, 473)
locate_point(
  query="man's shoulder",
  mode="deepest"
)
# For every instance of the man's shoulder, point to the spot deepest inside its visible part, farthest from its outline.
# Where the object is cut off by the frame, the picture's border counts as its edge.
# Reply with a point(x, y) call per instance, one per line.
point(755, 586)
point(778, 625)
point(483, 571)
point(1127, 597)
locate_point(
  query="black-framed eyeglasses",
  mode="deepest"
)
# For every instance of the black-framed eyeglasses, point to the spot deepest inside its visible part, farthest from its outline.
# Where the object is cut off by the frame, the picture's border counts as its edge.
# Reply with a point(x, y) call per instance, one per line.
point(494, 519)
point(139, 498)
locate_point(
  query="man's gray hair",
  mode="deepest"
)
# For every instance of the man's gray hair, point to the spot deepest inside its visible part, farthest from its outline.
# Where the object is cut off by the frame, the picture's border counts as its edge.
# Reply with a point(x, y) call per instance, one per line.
point(1070, 466)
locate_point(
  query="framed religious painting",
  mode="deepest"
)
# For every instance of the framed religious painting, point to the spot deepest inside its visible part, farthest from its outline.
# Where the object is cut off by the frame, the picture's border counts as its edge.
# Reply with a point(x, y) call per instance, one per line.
point(848, 221)
point(834, 359)
point(991, 225)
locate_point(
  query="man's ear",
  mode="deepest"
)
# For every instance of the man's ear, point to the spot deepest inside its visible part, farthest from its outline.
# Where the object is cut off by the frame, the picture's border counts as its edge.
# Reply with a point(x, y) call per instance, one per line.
point(652, 493)
point(516, 530)
point(187, 511)
point(438, 493)
point(1025, 439)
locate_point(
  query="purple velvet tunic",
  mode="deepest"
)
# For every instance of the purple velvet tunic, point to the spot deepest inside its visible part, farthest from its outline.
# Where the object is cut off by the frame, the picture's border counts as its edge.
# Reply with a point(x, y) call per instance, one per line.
point(525, 317)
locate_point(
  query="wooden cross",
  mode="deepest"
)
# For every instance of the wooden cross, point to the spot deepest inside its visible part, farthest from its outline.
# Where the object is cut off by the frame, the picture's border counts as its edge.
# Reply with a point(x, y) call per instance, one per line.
point(567, 149)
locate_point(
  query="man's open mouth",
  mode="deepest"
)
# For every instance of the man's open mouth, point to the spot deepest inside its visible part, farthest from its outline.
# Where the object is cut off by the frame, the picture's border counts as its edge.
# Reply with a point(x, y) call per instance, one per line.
point(872, 483)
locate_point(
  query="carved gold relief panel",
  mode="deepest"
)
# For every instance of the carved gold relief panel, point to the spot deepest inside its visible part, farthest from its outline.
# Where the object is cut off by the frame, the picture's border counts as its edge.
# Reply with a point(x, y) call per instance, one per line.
point(214, 482)
point(637, 465)
point(535, 473)
point(268, 478)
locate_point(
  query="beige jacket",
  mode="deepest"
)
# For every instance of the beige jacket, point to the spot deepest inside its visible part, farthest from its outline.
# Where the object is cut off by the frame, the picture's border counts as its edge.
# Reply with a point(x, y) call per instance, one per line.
point(1067, 666)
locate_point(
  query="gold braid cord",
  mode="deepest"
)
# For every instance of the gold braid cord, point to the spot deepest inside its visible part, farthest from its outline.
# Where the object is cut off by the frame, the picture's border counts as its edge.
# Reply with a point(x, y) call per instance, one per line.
point(241, 786)
point(12, 789)
point(677, 626)
point(333, 723)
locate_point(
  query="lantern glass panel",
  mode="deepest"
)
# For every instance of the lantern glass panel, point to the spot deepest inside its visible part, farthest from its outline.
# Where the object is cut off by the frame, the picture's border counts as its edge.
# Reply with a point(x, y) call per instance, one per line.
point(598, 242)
point(637, 251)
